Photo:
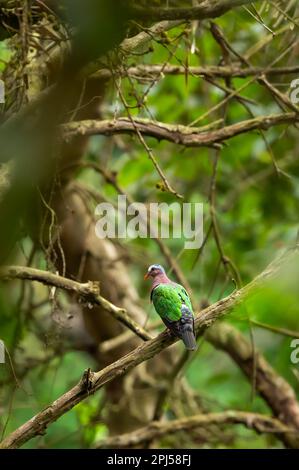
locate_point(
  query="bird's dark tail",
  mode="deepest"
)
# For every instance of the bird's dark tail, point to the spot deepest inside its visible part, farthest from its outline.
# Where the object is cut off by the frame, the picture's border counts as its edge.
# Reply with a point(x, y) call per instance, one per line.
point(184, 329)
point(187, 328)
point(188, 337)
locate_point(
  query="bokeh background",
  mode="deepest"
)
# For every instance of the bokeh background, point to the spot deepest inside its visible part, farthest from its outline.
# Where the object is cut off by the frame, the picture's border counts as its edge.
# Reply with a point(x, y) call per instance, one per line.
point(63, 64)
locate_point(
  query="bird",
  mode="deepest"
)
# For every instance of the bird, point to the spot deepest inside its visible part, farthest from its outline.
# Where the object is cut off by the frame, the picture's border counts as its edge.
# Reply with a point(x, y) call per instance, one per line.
point(172, 303)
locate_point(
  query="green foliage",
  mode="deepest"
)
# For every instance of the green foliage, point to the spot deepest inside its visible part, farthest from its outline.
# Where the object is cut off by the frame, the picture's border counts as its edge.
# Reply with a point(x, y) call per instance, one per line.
point(256, 209)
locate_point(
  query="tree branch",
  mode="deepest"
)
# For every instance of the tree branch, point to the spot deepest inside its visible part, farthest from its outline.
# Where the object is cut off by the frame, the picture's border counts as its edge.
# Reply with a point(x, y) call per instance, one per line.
point(147, 350)
point(58, 53)
point(129, 45)
point(178, 134)
point(277, 393)
point(89, 291)
point(211, 71)
point(156, 429)
point(207, 9)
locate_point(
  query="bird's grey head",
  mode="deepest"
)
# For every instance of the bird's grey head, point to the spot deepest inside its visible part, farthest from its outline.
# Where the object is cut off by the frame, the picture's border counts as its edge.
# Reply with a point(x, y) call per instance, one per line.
point(154, 270)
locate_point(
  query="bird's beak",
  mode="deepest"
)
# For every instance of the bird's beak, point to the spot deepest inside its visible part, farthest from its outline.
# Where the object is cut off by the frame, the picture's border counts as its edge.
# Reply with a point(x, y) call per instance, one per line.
point(146, 276)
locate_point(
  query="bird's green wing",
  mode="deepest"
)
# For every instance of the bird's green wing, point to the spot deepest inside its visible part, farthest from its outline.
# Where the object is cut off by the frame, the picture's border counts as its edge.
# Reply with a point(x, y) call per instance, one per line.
point(183, 294)
point(168, 300)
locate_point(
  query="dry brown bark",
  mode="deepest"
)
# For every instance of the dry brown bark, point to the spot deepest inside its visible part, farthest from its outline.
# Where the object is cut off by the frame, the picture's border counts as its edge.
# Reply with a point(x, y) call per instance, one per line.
point(157, 429)
point(178, 134)
point(277, 392)
point(99, 260)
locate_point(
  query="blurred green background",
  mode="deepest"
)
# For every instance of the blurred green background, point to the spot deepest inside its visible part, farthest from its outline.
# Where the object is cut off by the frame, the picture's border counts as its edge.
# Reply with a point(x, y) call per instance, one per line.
point(257, 216)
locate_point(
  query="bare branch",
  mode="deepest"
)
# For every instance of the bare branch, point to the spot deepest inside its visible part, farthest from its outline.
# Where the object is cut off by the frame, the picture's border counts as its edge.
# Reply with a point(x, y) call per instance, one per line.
point(178, 134)
point(156, 429)
point(89, 291)
point(207, 9)
point(275, 391)
point(79, 392)
point(222, 71)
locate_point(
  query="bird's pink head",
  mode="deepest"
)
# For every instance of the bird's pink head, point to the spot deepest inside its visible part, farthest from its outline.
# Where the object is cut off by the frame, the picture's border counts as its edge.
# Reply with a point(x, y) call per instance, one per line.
point(154, 270)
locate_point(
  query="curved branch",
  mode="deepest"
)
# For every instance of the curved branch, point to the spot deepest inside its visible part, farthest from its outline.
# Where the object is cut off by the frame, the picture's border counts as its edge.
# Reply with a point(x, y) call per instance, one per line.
point(88, 291)
point(145, 351)
point(157, 71)
point(276, 392)
point(156, 429)
point(207, 9)
point(57, 54)
point(178, 134)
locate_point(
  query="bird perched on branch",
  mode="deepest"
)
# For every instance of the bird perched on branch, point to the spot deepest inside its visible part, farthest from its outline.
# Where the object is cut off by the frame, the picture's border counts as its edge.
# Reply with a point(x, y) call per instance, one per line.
point(172, 303)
